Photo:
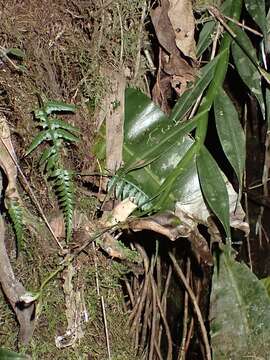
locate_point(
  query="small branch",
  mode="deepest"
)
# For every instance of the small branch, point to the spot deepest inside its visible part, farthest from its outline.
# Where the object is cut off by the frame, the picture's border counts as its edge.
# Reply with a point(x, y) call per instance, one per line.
point(122, 36)
point(138, 60)
point(102, 304)
point(195, 304)
point(182, 354)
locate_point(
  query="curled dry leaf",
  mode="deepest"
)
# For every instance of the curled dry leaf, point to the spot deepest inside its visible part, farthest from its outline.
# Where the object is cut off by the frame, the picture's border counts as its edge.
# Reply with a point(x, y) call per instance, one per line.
point(195, 211)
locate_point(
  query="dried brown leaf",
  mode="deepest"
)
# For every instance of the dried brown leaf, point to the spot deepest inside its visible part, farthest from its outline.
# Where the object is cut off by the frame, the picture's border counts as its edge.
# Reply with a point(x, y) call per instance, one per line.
point(182, 20)
point(163, 27)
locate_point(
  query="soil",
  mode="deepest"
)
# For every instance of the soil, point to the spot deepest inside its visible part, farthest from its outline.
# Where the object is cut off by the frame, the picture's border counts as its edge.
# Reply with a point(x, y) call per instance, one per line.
point(65, 45)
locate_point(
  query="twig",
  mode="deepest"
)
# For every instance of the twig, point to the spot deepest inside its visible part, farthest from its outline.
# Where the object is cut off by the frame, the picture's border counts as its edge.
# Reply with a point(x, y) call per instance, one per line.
point(100, 32)
point(185, 320)
point(164, 298)
point(165, 323)
point(122, 36)
point(137, 311)
point(130, 294)
point(138, 59)
point(217, 14)
point(154, 320)
point(102, 305)
point(243, 26)
point(146, 322)
point(196, 306)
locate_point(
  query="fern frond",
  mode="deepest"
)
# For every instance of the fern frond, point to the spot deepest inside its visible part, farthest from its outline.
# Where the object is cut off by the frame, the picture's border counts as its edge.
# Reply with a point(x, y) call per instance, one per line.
point(15, 213)
point(126, 189)
point(64, 188)
point(39, 138)
point(55, 131)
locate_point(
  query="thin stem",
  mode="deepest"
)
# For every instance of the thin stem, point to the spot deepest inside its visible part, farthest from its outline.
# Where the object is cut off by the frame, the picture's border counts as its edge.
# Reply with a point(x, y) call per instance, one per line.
point(195, 304)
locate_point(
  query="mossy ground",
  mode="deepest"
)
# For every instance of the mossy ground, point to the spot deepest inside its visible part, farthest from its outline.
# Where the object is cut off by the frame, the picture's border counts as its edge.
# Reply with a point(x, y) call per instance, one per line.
point(67, 45)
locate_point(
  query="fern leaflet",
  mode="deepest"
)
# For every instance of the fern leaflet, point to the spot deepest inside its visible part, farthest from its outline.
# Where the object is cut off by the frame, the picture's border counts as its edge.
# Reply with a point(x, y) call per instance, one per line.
point(126, 189)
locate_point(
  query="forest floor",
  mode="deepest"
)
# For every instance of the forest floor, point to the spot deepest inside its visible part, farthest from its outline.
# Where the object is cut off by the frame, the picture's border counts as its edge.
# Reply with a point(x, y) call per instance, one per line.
point(62, 50)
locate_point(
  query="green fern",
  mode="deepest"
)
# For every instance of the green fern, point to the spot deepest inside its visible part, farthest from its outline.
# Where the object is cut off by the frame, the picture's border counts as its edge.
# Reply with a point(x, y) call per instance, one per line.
point(55, 132)
point(123, 189)
point(16, 216)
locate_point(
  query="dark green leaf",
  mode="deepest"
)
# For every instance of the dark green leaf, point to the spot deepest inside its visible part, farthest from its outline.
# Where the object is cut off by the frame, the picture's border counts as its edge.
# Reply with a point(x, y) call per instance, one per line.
point(58, 106)
point(214, 188)
point(40, 137)
point(148, 132)
point(230, 132)
point(205, 37)
point(66, 135)
point(256, 9)
point(266, 283)
point(185, 102)
point(16, 52)
point(10, 355)
point(245, 59)
point(239, 312)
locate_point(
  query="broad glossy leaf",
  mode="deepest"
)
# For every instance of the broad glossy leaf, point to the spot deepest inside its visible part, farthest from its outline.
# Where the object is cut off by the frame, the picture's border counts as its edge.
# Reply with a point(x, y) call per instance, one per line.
point(245, 59)
point(205, 37)
point(256, 9)
point(230, 132)
point(11, 355)
point(39, 138)
point(239, 312)
point(214, 188)
point(148, 132)
point(189, 97)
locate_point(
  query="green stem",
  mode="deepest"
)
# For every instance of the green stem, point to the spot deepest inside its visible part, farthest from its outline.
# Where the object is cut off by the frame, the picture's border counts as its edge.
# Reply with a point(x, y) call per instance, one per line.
point(217, 82)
